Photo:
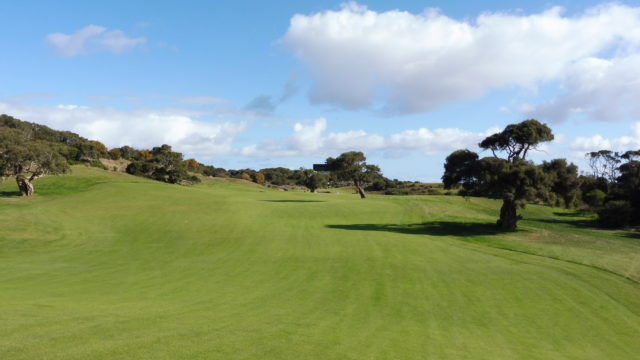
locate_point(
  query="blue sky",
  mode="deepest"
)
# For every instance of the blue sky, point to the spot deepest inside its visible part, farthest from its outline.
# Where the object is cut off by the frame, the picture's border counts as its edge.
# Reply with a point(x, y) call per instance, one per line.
point(261, 84)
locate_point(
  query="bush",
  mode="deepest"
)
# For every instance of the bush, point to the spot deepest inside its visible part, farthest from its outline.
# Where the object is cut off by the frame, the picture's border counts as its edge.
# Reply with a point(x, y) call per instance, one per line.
point(595, 198)
point(396, 192)
point(615, 214)
point(115, 154)
point(98, 164)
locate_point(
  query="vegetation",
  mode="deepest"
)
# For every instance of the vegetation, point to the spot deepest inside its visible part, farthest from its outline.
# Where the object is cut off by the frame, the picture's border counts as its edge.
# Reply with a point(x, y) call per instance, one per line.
point(164, 165)
point(99, 267)
point(512, 178)
point(28, 159)
point(351, 166)
point(314, 180)
point(619, 180)
point(29, 151)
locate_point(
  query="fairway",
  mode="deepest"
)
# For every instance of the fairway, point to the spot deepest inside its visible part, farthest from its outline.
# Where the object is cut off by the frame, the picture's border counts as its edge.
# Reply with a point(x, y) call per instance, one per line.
point(103, 265)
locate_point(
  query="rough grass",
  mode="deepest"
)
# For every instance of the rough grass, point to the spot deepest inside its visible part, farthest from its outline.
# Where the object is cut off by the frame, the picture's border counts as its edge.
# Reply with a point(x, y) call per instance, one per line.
point(102, 265)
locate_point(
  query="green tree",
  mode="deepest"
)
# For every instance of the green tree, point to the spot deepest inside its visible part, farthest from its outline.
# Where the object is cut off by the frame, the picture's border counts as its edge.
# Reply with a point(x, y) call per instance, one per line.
point(563, 184)
point(115, 154)
point(604, 164)
point(313, 180)
point(512, 178)
point(351, 166)
point(28, 160)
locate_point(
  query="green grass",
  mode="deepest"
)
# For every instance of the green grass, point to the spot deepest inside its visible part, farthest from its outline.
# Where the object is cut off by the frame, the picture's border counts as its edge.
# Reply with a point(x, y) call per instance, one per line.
point(101, 265)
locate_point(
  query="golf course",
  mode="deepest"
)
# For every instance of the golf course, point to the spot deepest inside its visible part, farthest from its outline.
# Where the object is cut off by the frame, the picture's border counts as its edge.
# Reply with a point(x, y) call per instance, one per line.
point(104, 265)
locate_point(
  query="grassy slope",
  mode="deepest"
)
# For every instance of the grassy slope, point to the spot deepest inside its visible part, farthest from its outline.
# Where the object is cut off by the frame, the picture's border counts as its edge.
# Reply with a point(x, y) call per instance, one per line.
point(103, 265)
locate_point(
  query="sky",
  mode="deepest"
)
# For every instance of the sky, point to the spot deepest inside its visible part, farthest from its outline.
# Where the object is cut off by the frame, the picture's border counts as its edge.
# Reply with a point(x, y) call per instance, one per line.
point(255, 84)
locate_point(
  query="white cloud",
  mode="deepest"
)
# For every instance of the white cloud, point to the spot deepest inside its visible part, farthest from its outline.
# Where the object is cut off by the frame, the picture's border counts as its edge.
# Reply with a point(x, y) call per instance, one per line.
point(422, 61)
point(309, 139)
point(598, 142)
point(138, 128)
point(606, 90)
point(92, 39)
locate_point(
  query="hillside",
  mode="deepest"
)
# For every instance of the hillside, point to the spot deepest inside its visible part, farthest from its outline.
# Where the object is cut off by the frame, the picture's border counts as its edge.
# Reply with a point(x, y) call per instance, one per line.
point(104, 265)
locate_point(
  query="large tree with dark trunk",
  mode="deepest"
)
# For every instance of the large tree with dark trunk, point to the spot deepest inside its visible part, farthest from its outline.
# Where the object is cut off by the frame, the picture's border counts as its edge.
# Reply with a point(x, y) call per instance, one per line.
point(511, 177)
point(351, 166)
point(28, 160)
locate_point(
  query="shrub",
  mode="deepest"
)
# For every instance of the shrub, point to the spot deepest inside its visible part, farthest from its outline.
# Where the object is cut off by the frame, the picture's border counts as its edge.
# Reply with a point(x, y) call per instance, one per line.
point(595, 198)
point(115, 154)
point(616, 213)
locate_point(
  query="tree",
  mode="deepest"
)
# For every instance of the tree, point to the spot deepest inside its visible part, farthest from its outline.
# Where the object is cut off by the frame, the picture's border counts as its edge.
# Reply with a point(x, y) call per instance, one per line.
point(351, 166)
point(604, 163)
point(622, 204)
point(563, 184)
point(459, 168)
point(259, 178)
point(115, 154)
point(517, 139)
point(28, 160)
point(314, 180)
point(192, 165)
point(513, 178)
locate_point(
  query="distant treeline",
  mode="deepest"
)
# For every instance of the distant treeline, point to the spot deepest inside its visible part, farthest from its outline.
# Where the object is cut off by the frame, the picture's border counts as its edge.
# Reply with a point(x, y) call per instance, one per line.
point(612, 189)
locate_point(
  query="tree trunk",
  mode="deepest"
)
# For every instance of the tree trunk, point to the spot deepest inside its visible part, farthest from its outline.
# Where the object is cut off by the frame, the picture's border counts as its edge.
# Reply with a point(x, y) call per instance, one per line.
point(25, 186)
point(508, 215)
point(360, 190)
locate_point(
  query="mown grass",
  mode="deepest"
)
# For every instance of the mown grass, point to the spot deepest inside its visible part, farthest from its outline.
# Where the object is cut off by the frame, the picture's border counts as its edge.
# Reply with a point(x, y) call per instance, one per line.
point(101, 265)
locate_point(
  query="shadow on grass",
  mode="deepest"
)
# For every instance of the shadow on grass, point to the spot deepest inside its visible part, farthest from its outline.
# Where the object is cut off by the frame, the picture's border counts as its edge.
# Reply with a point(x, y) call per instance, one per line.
point(294, 201)
point(14, 193)
point(574, 213)
point(632, 235)
point(581, 223)
point(435, 228)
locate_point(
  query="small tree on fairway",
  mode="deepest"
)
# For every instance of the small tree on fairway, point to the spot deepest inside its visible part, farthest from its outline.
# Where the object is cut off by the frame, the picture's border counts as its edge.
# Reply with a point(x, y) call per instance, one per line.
point(28, 160)
point(513, 178)
point(314, 180)
point(351, 166)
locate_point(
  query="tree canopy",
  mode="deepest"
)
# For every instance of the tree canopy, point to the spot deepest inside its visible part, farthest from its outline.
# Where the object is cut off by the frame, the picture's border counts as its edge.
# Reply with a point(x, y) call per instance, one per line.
point(512, 178)
point(351, 166)
point(28, 159)
point(517, 139)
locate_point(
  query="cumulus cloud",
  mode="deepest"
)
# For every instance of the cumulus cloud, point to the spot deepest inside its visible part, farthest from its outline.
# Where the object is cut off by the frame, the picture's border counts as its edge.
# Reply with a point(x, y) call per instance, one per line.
point(92, 39)
point(309, 138)
point(414, 63)
point(599, 142)
point(605, 90)
point(138, 128)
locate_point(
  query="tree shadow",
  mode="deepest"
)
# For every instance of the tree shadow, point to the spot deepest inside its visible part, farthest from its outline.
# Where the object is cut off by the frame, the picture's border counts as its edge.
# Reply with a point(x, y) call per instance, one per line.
point(574, 213)
point(10, 193)
point(294, 201)
point(633, 234)
point(435, 228)
point(581, 223)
